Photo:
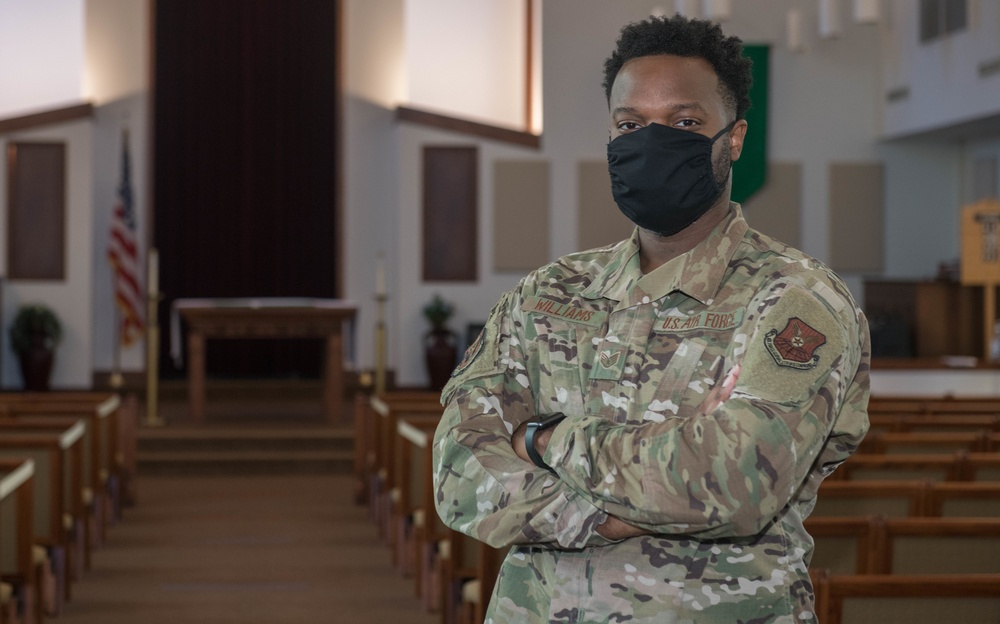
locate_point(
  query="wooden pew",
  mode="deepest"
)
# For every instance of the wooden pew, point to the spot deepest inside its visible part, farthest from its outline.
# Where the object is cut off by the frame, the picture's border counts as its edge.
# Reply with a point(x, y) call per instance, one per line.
point(844, 544)
point(934, 466)
point(8, 604)
point(112, 424)
point(882, 442)
point(75, 503)
point(901, 423)
point(415, 517)
point(58, 477)
point(933, 405)
point(368, 434)
point(979, 499)
point(388, 409)
point(982, 467)
point(17, 538)
point(937, 546)
point(89, 492)
point(871, 498)
point(469, 574)
point(914, 599)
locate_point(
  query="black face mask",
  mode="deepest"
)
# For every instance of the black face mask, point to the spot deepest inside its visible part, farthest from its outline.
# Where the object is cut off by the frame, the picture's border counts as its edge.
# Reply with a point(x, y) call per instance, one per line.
point(662, 177)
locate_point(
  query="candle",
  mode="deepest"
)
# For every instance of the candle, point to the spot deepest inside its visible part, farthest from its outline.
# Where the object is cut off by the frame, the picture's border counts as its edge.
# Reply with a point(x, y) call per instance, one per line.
point(794, 24)
point(829, 19)
point(380, 290)
point(153, 273)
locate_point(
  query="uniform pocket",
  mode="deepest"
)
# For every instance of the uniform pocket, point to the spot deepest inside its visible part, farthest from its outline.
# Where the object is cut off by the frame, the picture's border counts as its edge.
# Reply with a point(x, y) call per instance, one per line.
point(676, 382)
point(558, 386)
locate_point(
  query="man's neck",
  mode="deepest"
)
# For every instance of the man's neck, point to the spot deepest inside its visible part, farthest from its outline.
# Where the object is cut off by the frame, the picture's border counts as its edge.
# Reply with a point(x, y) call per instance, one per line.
point(655, 250)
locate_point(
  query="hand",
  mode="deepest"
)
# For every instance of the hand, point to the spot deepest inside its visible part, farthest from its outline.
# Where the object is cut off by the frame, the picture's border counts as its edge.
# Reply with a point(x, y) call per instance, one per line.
point(615, 528)
point(721, 393)
point(541, 442)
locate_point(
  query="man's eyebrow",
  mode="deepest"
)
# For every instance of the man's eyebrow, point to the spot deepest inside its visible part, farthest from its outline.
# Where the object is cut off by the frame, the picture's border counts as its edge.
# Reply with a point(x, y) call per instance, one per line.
point(625, 109)
point(681, 106)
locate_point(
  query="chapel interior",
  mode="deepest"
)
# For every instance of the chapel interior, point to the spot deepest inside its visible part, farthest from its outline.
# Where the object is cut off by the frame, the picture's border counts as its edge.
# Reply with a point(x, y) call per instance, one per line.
point(267, 230)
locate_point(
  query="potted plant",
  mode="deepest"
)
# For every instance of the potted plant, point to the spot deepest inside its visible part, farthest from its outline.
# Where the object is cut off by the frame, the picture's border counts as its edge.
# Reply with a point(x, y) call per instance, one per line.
point(439, 342)
point(34, 335)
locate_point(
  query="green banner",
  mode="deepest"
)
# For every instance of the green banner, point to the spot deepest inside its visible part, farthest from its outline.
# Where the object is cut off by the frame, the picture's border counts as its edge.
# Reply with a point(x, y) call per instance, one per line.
point(750, 171)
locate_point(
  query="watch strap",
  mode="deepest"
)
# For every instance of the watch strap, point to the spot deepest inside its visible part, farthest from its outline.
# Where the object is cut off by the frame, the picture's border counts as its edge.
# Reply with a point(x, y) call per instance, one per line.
point(531, 433)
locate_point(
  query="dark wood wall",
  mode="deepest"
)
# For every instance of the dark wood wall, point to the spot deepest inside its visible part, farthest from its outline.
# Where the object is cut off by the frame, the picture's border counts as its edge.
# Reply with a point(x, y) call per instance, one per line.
point(245, 160)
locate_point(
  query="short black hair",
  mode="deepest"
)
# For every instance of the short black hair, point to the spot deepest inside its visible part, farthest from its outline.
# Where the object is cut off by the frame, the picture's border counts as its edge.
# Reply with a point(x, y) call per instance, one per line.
point(681, 36)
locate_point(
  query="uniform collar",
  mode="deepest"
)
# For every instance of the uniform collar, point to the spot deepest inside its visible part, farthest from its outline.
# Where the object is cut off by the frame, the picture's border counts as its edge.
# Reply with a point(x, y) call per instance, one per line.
point(697, 273)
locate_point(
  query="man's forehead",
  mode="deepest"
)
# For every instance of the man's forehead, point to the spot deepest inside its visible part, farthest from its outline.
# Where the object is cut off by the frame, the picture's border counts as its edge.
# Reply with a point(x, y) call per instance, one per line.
point(663, 74)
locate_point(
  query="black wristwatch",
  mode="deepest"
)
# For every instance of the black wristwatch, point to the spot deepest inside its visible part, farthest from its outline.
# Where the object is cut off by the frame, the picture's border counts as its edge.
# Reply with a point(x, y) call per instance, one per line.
point(545, 422)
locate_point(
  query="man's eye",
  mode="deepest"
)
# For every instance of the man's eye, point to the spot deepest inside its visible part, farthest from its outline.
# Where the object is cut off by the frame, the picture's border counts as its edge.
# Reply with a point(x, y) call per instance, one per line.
point(628, 126)
point(686, 123)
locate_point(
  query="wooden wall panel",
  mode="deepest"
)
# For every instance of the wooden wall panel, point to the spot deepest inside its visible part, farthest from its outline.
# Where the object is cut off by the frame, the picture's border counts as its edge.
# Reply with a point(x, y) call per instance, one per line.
point(450, 179)
point(776, 209)
point(600, 222)
point(520, 214)
point(857, 200)
point(36, 226)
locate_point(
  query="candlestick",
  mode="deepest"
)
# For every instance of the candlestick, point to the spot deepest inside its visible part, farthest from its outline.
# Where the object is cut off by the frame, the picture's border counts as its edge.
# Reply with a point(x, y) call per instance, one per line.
point(153, 272)
point(380, 289)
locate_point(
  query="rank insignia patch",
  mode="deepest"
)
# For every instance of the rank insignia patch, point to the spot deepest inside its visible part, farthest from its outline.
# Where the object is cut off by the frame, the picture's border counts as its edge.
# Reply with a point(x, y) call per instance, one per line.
point(795, 345)
point(609, 359)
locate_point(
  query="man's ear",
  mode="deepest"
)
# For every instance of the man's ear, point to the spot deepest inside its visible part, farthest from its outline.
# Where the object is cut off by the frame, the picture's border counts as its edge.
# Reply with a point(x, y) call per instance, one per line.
point(736, 136)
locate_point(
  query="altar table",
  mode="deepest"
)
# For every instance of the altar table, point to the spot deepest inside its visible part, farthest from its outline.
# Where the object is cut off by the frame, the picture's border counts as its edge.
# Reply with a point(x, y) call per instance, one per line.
point(263, 318)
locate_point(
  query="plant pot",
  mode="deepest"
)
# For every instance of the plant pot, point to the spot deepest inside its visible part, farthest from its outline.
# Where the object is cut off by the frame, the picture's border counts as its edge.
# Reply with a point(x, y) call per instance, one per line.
point(441, 355)
point(36, 368)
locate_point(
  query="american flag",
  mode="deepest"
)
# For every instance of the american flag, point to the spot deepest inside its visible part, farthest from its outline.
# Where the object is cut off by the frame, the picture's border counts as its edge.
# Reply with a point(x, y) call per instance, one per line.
point(124, 257)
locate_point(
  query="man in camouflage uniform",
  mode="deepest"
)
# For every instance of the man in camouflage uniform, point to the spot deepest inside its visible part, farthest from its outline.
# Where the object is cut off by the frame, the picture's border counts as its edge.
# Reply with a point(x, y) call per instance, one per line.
point(710, 376)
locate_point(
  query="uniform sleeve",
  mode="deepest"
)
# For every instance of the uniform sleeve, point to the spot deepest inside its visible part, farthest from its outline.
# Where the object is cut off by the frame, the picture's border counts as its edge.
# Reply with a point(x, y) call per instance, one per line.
point(483, 489)
point(730, 472)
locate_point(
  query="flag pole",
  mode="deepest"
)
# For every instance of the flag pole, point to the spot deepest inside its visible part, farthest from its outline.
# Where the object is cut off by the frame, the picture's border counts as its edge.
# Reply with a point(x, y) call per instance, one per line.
point(116, 380)
point(152, 338)
point(381, 297)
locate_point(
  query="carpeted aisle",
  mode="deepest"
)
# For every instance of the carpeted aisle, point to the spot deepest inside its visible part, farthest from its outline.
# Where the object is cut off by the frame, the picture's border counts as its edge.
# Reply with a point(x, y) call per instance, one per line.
point(246, 550)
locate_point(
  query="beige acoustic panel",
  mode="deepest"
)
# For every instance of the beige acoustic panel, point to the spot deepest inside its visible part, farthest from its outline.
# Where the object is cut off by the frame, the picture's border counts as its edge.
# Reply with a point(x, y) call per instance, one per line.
point(857, 200)
point(776, 209)
point(600, 222)
point(520, 214)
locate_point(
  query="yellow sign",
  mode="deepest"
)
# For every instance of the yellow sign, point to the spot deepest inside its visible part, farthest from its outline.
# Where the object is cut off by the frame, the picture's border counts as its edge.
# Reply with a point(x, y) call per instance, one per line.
point(981, 242)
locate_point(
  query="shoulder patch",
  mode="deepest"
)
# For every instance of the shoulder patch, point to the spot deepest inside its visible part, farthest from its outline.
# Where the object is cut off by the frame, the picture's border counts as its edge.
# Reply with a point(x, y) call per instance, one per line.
point(795, 345)
point(471, 353)
point(483, 356)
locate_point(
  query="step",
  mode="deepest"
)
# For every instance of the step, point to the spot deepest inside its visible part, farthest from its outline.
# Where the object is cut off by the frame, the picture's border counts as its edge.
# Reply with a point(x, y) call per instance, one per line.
point(245, 462)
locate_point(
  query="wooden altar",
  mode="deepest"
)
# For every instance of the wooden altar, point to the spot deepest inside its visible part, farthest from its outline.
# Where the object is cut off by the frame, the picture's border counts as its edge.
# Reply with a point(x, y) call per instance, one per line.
point(263, 318)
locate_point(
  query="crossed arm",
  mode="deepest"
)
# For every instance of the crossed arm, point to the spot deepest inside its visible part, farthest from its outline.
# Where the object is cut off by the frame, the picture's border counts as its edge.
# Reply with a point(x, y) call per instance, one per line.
point(614, 528)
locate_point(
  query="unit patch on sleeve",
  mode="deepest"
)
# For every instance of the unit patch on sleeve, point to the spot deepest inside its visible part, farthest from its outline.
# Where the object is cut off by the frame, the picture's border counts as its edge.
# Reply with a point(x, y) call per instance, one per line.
point(795, 345)
point(471, 353)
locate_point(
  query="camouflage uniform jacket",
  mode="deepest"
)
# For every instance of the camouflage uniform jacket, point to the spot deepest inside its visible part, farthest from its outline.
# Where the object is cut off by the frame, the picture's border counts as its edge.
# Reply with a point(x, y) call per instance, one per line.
point(629, 358)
